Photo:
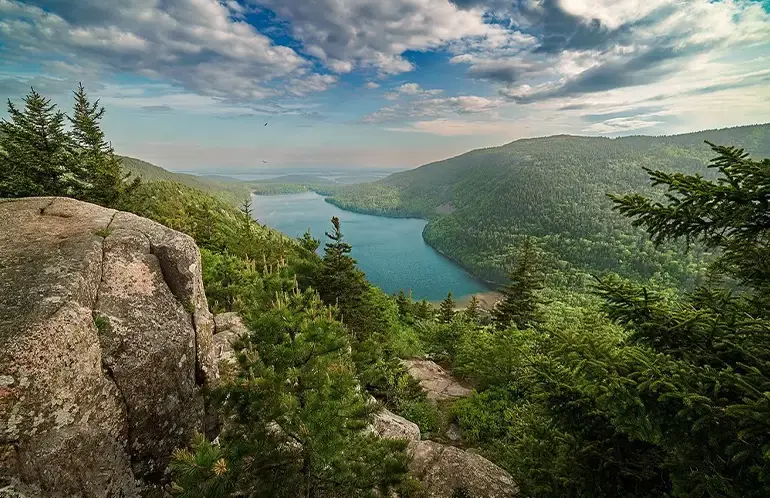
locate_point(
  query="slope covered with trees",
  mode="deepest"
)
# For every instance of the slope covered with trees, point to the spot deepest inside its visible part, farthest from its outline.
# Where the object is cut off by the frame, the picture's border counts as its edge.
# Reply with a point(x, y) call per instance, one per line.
point(481, 204)
point(629, 388)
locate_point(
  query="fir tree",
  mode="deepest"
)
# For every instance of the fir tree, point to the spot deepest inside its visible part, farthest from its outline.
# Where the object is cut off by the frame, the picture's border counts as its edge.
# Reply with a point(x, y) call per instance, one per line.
point(404, 303)
point(294, 417)
point(423, 310)
point(447, 309)
point(98, 174)
point(521, 302)
point(37, 158)
point(308, 242)
point(340, 283)
point(473, 310)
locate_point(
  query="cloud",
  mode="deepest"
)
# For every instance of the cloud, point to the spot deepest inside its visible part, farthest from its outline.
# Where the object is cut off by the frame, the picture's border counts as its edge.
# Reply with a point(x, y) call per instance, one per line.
point(434, 107)
point(157, 108)
point(452, 128)
point(375, 33)
point(199, 44)
point(411, 90)
point(562, 48)
point(371, 85)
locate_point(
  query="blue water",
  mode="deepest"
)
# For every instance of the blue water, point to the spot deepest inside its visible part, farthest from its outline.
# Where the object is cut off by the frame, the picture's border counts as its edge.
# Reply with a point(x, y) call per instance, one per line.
point(390, 250)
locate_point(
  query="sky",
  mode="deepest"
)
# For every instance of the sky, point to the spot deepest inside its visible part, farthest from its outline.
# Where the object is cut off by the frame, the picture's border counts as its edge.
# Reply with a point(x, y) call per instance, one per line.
point(190, 84)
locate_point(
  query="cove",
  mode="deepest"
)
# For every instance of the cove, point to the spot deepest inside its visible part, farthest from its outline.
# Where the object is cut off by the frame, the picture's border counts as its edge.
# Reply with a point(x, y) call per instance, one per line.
point(391, 251)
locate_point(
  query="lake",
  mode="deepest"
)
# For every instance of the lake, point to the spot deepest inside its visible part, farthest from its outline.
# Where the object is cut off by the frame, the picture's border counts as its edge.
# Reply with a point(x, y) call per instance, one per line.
point(390, 250)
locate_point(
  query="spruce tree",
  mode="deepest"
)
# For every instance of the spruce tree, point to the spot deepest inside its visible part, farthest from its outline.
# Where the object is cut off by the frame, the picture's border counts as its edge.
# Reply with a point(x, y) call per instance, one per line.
point(473, 310)
point(447, 309)
point(308, 242)
point(423, 310)
point(295, 420)
point(404, 303)
point(520, 305)
point(340, 282)
point(37, 151)
point(97, 171)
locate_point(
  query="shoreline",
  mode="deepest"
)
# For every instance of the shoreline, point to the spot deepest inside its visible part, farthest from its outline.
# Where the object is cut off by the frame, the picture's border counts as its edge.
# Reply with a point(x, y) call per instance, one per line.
point(489, 285)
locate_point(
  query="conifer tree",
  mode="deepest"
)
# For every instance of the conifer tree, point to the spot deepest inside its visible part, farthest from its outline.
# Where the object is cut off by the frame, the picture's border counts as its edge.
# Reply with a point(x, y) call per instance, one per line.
point(520, 303)
point(423, 310)
point(473, 310)
point(340, 283)
point(447, 309)
point(308, 242)
point(294, 416)
point(404, 303)
point(97, 171)
point(37, 151)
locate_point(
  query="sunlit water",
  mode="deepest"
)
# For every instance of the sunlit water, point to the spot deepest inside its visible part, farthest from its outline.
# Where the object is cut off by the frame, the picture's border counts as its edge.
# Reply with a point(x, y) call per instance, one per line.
point(390, 250)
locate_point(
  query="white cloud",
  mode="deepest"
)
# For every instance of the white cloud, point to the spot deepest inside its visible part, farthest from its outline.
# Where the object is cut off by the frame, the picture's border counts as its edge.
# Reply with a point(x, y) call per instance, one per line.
point(411, 90)
point(376, 33)
point(371, 85)
point(200, 44)
point(435, 107)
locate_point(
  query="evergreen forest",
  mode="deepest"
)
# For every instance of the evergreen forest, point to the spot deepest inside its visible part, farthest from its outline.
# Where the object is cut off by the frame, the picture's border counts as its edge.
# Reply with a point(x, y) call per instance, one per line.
point(629, 356)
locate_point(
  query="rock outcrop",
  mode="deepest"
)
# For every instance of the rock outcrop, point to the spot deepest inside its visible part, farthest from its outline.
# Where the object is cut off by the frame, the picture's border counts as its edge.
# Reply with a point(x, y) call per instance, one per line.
point(227, 328)
point(444, 470)
point(391, 426)
point(435, 381)
point(105, 340)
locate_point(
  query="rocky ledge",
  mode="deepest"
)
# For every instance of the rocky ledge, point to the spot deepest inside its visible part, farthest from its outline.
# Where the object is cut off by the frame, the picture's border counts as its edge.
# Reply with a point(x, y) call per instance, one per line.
point(105, 341)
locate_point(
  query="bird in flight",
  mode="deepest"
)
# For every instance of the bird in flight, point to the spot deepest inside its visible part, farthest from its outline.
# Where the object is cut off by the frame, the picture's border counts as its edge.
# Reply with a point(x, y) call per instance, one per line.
point(264, 161)
point(265, 124)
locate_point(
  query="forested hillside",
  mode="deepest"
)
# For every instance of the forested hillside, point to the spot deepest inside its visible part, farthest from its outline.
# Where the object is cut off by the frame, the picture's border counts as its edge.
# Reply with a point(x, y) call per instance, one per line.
point(230, 190)
point(554, 189)
point(626, 389)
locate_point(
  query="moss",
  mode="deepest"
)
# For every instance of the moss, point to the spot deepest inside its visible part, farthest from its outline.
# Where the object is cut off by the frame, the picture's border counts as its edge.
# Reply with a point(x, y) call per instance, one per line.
point(103, 232)
point(102, 323)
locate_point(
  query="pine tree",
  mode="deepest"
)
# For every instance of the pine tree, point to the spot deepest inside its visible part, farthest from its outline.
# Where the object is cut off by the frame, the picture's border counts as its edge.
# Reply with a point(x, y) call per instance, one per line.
point(308, 242)
point(404, 303)
point(340, 283)
point(473, 310)
point(98, 174)
point(423, 310)
point(701, 393)
point(37, 151)
point(447, 309)
point(294, 416)
point(521, 302)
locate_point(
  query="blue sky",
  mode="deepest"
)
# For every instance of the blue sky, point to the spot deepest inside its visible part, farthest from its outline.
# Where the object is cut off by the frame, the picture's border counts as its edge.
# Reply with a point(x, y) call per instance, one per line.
point(189, 84)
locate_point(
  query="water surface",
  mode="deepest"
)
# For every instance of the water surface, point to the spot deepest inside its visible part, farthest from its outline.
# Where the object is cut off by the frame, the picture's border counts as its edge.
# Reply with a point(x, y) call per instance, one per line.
point(390, 250)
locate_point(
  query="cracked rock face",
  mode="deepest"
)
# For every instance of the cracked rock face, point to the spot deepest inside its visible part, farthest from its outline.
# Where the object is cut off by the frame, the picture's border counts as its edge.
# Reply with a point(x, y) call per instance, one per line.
point(105, 340)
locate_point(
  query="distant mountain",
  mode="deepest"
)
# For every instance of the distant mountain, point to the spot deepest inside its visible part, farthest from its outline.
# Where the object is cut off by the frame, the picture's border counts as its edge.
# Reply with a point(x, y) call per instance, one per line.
point(228, 189)
point(298, 180)
point(553, 189)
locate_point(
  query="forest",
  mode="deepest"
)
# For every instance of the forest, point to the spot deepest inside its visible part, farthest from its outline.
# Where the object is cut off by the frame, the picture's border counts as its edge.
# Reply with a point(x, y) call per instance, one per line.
point(554, 189)
point(632, 385)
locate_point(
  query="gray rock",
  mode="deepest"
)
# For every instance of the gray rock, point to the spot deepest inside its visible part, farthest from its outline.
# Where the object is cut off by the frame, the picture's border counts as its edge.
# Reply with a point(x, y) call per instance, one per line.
point(437, 382)
point(444, 469)
point(228, 327)
point(391, 426)
point(103, 324)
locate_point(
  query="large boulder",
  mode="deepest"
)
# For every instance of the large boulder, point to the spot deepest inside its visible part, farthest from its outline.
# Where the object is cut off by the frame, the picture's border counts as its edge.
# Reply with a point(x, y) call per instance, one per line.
point(105, 341)
point(388, 425)
point(438, 384)
point(445, 470)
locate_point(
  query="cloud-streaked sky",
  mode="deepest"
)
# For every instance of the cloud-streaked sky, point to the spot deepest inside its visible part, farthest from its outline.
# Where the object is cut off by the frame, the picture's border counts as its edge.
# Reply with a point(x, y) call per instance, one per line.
point(189, 84)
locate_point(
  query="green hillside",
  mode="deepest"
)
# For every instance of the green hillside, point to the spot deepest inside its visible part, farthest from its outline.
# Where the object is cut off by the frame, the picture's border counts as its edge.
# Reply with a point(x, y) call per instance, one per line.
point(480, 204)
point(228, 189)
